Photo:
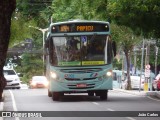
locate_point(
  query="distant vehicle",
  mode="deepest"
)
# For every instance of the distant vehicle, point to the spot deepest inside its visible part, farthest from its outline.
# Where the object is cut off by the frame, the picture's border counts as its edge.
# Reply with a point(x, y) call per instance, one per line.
point(135, 81)
point(39, 82)
point(13, 80)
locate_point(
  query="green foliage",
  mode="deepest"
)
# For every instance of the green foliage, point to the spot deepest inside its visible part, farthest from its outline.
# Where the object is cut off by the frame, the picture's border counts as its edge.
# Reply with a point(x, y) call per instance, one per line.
point(142, 16)
point(79, 9)
point(19, 30)
point(124, 37)
point(31, 65)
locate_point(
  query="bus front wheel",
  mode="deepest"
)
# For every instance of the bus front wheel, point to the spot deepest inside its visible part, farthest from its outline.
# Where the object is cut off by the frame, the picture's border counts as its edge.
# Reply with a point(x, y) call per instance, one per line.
point(104, 95)
point(56, 95)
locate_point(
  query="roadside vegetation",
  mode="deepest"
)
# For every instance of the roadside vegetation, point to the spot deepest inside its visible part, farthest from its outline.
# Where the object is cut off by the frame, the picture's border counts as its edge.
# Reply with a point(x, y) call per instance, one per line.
point(131, 22)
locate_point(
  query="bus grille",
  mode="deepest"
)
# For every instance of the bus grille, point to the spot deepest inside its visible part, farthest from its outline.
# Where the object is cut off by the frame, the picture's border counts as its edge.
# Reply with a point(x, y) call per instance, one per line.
point(77, 79)
point(84, 70)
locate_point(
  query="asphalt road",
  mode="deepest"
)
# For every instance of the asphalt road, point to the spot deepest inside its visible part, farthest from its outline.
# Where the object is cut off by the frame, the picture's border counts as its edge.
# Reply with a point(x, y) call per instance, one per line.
point(37, 100)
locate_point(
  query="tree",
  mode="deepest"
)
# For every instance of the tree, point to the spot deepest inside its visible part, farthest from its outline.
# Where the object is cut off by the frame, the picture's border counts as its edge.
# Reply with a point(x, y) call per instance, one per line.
point(142, 16)
point(6, 7)
point(126, 40)
point(28, 13)
point(64, 10)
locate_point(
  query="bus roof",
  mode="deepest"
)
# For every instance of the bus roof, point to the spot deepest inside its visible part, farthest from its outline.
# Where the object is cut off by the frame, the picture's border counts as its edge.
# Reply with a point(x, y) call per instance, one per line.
point(79, 21)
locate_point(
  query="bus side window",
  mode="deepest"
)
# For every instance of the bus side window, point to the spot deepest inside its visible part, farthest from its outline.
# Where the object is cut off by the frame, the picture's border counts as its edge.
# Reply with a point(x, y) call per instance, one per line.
point(53, 57)
point(109, 51)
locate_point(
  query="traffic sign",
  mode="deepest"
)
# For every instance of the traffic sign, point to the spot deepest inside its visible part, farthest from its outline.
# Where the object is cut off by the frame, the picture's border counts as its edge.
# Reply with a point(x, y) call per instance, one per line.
point(147, 70)
point(148, 67)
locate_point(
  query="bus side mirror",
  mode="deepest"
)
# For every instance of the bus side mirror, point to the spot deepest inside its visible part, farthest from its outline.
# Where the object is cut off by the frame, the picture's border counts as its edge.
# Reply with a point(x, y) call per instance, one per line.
point(114, 48)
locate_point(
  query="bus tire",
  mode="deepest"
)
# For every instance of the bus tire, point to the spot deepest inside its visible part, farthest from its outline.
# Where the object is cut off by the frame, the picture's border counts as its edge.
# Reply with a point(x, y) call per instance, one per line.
point(55, 96)
point(90, 93)
point(49, 94)
point(104, 95)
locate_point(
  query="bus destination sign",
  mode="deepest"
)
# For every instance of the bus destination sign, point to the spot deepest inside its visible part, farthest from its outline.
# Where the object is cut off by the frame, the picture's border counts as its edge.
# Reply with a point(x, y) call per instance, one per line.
point(90, 27)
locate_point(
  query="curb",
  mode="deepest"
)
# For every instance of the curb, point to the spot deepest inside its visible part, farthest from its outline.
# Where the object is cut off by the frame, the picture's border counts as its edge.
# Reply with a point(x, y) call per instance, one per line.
point(153, 93)
point(158, 94)
point(141, 93)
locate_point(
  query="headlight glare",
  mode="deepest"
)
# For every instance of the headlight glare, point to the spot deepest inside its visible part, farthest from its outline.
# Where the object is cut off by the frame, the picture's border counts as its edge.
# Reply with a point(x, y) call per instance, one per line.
point(109, 73)
point(53, 75)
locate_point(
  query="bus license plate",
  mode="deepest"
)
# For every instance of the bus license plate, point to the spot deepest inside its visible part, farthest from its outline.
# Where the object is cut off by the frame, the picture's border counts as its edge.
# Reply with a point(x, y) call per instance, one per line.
point(81, 85)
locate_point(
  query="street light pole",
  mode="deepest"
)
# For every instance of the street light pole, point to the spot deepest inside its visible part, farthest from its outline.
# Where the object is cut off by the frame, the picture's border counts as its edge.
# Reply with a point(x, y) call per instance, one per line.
point(156, 49)
point(43, 32)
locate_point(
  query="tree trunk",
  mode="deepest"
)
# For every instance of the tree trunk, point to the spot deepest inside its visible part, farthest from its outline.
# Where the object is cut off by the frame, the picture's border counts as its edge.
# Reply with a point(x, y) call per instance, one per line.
point(128, 71)
point(6, 9)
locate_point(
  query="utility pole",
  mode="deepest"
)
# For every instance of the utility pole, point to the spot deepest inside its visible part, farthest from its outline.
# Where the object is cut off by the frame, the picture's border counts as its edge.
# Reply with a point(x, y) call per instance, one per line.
point(156, 54)
point(141, 65)
point(135, 60)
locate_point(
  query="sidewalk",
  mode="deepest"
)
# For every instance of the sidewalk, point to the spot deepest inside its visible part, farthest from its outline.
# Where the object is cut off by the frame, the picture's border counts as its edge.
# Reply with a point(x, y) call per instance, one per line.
point(140, 93)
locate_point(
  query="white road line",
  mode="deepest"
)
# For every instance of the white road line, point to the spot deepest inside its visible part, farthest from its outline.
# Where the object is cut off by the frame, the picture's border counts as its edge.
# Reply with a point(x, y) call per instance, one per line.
point(1, 108)
point(130, 118)
point(14, 104)
point(1, 105)
point(109, 109)
point(153, 98)
point(95, 103)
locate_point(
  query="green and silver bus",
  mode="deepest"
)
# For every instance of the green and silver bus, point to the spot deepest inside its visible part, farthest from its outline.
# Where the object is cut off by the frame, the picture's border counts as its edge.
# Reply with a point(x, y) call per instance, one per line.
point(79, 58)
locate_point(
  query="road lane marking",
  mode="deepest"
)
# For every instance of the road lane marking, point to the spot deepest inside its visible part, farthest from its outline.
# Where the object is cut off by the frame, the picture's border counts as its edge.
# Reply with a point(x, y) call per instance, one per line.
point(95, 103)
point(130, 118)
point(109, 109)
point(14, 104)
point(153, 98)
point(1, 108)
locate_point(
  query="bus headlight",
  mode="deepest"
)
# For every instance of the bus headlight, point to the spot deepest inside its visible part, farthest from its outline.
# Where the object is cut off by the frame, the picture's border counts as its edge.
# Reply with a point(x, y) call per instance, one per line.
point(109, 73)
point(53, 75)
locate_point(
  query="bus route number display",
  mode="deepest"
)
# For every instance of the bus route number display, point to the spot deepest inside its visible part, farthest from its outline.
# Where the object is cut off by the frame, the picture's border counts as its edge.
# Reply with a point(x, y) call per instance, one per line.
point(80, 28)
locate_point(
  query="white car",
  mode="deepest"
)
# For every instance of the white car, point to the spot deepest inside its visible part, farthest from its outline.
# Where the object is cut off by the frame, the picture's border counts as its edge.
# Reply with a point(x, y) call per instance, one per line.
point(39, 82)
point(12, 78)
point(135, 82)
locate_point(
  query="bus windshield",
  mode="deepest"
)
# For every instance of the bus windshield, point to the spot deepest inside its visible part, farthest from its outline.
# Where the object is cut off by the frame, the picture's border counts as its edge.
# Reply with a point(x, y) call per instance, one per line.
point(80, 50)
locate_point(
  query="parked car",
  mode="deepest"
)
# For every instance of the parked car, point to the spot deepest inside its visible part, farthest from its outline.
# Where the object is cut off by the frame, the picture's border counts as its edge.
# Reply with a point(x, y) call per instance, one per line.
point(13, 80)
point(39, 82)
point(156, 85)
point(135, 82)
